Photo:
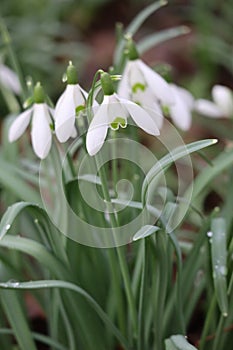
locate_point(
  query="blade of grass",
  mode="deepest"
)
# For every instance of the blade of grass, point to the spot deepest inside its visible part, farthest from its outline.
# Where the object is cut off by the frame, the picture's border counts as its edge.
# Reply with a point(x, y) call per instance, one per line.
point(219, 262)
point(70, 286)
point(154, 39)
point(39, 337)
point(17, 319)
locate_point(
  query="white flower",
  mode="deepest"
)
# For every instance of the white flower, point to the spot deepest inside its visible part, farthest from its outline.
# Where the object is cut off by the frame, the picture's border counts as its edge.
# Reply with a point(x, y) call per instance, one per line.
point(222, 105)
point(70, 102)
point(9, 79)
point(113, 113)
point(144, 86)
point(41, 134)
point(180, 111)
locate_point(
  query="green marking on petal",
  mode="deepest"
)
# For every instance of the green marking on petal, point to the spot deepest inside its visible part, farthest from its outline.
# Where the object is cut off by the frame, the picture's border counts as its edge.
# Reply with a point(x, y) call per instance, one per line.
point(51, 125)
point(118, 122)
point(79, 109)
point(166, 110)
point(138, 86)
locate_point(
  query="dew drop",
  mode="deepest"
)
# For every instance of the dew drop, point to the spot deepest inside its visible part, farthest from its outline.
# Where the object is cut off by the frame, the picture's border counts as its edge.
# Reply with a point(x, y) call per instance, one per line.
point(210, 234)
point(12, 283)
point(223, 270)
point(36, 221)
point(64, 78)
point(15, 284)
point(7, 227)
point(225, 314)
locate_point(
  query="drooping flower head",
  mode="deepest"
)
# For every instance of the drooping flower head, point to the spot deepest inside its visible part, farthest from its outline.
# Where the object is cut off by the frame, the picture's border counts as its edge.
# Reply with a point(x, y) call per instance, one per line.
point(70, 104)
point(143, 85)
point(9, 79)
point(113, 113)
point(41, 117)
point(222, 105)
point(181, 110)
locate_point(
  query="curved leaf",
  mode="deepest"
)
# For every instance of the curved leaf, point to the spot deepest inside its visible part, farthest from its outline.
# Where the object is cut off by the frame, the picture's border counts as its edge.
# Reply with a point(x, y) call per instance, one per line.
point(10, 179)
point(39, 337)
point(154, 39)
point(17, 319)
point(70, 286)
point(170, 158)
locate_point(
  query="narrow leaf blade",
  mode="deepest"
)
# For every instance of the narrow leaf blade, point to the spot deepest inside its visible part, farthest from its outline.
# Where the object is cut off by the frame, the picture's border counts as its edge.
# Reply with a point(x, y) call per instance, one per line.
point(219, 262)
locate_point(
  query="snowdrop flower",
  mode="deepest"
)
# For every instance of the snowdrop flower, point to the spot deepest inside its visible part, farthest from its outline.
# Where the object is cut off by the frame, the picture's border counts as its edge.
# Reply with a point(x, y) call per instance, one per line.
point(70, 103)
point(113, 113)
point(144, 86)
point(9, 79)
point(180, 110)
point(222, 105)
point(40, 115)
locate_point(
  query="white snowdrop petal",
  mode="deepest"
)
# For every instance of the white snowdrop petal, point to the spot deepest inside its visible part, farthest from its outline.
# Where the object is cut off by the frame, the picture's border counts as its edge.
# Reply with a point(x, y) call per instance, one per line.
point(124, 89)
point(19, 125)
point(184, 94)
point(181, 115)
point(41, 132)
point(79, 95)
point(156, 114)
point(157, 84)
point(223, 98)
point(141, 118)
point(148, 102)
point(98, 128)
point(136, 75)
point(208, 108)
point(115, 109)
point(9, 79)
point(65, 114)
point(180, 110)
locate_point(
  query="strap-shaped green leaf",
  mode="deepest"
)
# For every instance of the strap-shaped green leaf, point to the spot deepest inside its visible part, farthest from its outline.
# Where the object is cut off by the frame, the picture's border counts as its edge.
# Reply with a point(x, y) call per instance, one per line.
point(75, 288)
point(170, 158)
point(154, 39)
point(17, 319)
point(219, 261)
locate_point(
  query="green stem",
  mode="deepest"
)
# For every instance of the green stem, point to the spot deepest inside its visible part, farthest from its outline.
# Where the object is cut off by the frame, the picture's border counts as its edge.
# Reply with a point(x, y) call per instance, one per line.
point(142, 294)
point(179, 294)
point(116, 282)
point(162, 268)
point(120, 253)
point(208, 322)
point(219, 333)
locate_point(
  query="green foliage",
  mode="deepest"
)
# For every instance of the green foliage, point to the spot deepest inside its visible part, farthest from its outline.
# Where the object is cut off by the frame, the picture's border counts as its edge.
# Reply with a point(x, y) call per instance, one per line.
point(148, 293)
